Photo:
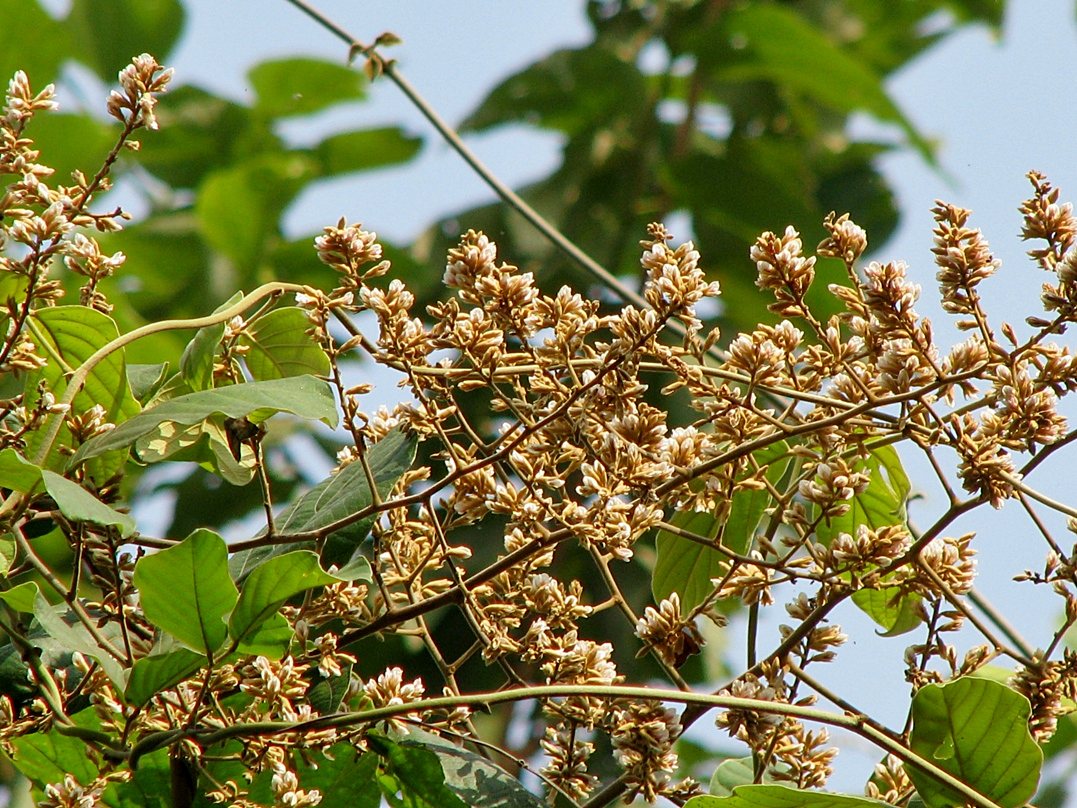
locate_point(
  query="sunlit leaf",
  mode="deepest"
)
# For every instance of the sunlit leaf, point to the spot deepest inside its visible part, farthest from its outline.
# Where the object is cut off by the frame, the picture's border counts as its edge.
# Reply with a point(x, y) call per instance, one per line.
point(46, 757)
point(893, 608)
point(156, 672)
point(186, 590)
point(270, 585)
point(68, 336)
point(977, 730)
point(279, 346)
point(687, 567)
point(882, 503)
point(418, 770)
point(17, 473)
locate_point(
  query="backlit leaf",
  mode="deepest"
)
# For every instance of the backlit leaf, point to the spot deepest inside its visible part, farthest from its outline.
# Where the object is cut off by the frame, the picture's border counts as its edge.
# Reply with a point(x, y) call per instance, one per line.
point(279, 346)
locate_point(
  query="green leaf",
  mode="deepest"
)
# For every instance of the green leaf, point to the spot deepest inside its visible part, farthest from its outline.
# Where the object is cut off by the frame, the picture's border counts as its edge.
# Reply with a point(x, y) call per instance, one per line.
point(186, 590)
point(327, 692)
point(782, 46)
point(686, 566)
point(270, 585)
point(572, 91)
point(365, 149)
point(977, 730)
point(302, 396)
point(239, 207)
point(746, 510)
point(32, 41)
point(21, 598)
point(882, 503)
point(892, 607)
point(68, 336)
point(156, 672)
point(200, 355)
point(471, 777)
point(683, 566)
point(343, 494)
point(732, 773)
point(79, 505)
point(64, 632)
point(345, 777)
point(110, 32)
point(7, 552)
point(418, 770)
point(270, 639)
point(279, 346)
point(300, 86)
point(146, 380)
point(18, 473)
point(149, 787)
point(70, 142)
point(775, 796)
point(45, 757)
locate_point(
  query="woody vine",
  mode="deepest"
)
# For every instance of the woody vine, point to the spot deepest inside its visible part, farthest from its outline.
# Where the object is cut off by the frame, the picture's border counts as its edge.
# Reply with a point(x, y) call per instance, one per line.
point(230, 672)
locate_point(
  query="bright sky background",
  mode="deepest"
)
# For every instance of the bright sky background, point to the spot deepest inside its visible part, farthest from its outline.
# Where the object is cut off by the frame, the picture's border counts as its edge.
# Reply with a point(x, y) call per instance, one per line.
point(997, 107)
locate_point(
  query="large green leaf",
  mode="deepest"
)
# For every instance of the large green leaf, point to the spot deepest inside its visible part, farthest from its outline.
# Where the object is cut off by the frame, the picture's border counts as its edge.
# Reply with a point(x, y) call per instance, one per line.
point(279, 346)
point(79, 505)
point(346, 778)
point(269, 586)
point(110, 32)
point(345, 493)
point(776, 796)
point(367, 148)
point(977, 730)
point(68, 336)
point(880, 504)
point(302, 396)
point(687, 567)
point(186, 590)
point(299, 86)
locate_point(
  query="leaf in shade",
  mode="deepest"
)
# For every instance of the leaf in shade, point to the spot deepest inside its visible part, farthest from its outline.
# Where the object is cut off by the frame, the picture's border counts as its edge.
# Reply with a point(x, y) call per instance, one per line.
point(200, 355)
point(150, 786)
point(418, 771)
point(186, 590)
point(110, 32)
point(343, 494)
point(146, 380)
point(327, 692)
point(79, 505)
point(977, 730)
point(279, 346)
point(46, 757)
point(31, 41)
point(302, 396)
